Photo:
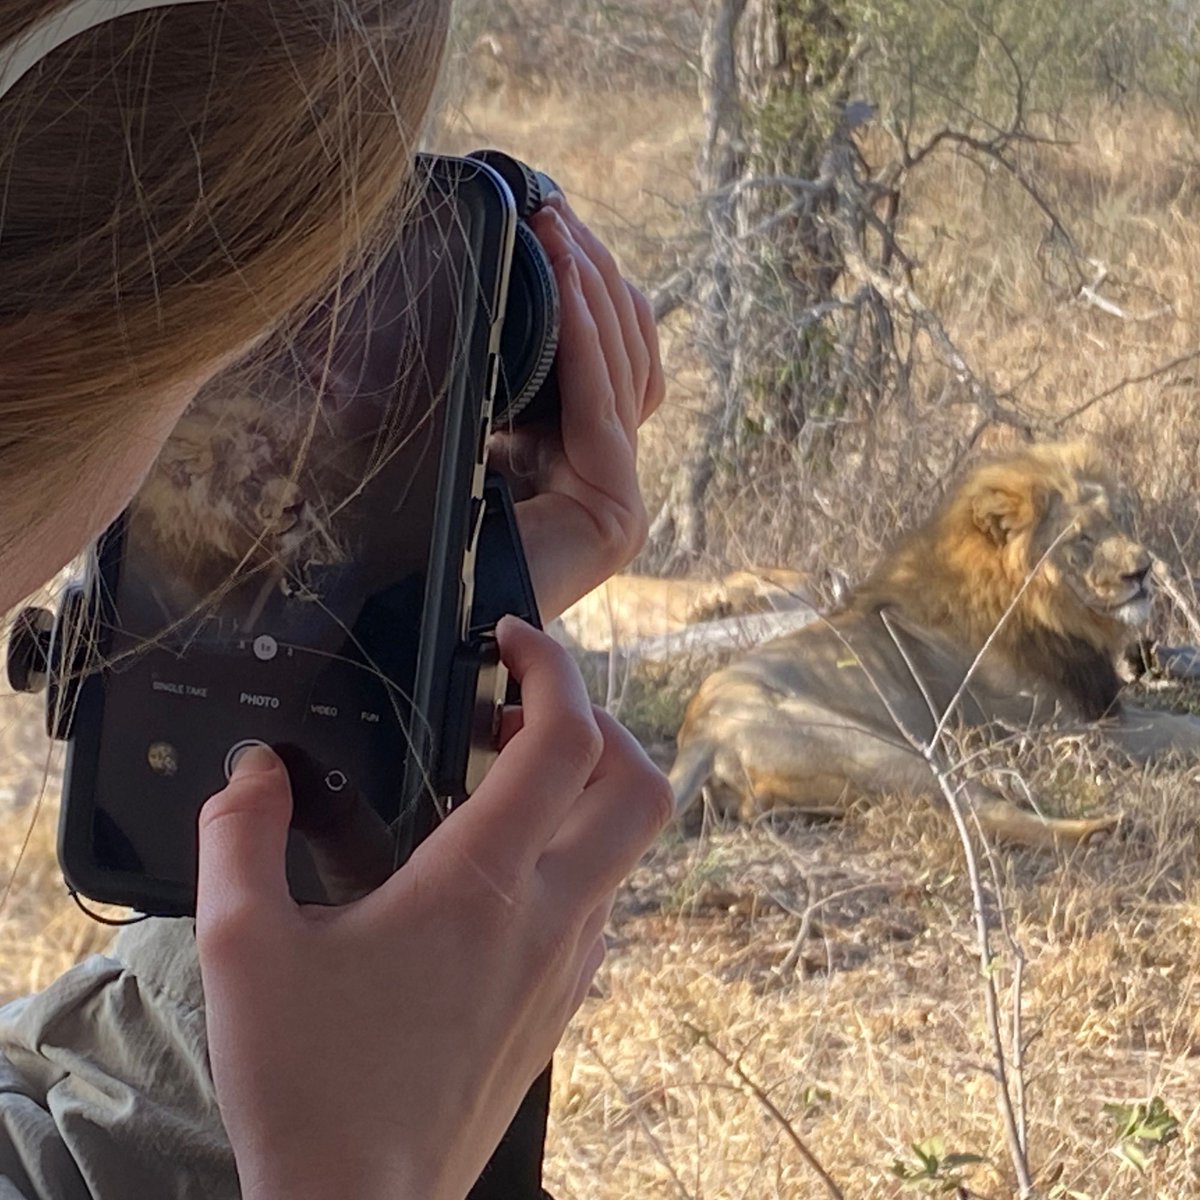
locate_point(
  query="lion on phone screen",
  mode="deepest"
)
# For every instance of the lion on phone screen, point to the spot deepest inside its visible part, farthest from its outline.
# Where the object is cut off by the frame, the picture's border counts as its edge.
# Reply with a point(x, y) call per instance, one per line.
point(237, 498)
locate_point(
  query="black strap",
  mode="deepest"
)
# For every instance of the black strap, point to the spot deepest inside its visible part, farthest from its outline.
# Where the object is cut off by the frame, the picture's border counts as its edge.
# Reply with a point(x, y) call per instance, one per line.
point(515, 1170)
point(502, 585)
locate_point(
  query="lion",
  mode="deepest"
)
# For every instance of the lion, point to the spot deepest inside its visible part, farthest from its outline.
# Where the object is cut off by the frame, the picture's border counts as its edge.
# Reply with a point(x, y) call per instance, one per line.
point(234, 490)
point(628, 607)
point(1009, 608)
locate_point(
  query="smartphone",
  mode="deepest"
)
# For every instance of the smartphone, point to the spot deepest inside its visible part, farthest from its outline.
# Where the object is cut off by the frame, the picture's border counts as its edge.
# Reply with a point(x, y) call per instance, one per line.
point(298, 571)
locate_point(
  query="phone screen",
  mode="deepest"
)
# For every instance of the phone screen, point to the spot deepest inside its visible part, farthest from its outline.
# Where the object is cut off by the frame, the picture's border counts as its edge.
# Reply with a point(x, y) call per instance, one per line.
point(292, 571)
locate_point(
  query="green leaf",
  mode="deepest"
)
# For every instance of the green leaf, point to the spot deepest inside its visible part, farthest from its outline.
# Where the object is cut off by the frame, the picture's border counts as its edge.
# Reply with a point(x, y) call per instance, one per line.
point(1151, 1121)
point(930, 1151)
point(1132, 1154)
point(935, 1171)
point(962, 1160)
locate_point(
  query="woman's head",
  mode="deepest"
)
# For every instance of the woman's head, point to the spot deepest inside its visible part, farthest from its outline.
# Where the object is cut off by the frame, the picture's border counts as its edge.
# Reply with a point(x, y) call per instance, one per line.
point(173, 183)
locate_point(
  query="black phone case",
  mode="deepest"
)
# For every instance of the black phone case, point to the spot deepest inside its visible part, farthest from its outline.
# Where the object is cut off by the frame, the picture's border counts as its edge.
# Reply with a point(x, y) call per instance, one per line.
point(515, 1169)
point(448, 585)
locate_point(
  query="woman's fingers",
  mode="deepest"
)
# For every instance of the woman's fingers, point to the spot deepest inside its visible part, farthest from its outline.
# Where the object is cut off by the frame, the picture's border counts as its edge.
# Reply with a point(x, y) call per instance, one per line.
point(632, 348)
point(243, 834)
point(545, 764)
point(580, 510)
point(656, 383)
point(572, 801)
point(560, 244)
point(627, 802)
point(351, 846)
point(594, 375)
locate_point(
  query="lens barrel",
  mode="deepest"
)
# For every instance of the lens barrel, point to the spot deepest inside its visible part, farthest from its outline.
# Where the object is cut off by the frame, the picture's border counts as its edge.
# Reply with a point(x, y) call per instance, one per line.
point(527, 390)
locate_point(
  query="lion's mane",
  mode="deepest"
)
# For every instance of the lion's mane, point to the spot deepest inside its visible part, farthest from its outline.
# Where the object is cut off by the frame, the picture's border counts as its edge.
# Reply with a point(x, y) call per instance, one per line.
point(970, 573)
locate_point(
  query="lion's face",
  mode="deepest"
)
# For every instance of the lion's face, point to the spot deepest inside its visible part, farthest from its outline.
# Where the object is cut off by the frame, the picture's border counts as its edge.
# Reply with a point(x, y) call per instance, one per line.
point(1062, 532)
point(231, 491)
point(1103, 566)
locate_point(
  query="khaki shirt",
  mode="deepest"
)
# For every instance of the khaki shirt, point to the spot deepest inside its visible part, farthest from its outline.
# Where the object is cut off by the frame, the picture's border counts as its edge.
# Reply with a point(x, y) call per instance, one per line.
point(105, 1091)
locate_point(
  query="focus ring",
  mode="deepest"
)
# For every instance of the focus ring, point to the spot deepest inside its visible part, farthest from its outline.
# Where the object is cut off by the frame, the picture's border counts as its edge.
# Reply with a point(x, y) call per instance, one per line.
point(534, 259)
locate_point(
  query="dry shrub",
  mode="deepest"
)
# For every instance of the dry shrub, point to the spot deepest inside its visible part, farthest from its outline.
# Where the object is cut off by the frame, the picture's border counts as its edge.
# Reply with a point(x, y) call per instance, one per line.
point(1125, 183)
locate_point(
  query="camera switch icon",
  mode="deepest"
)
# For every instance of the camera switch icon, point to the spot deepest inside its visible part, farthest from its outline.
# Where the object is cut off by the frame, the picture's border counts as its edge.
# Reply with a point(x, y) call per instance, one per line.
point(335, 781)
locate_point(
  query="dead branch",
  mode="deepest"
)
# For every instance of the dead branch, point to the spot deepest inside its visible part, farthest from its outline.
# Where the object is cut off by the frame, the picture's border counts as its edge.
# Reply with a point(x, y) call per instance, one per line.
point(1005, 1090)
point(1122, 384)
point(981, 393)
point(900, 294)
point(746, 1084)
point(811, 909)
point(1089, 293)
point(1017, 1043)
point(676, 290)
point(1161, 574)
point(632, 1105)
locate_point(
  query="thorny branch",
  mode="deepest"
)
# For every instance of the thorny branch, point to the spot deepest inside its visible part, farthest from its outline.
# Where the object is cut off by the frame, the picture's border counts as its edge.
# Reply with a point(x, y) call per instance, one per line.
point(746, 1084)
point(1010, 1086)
point(1129, 381)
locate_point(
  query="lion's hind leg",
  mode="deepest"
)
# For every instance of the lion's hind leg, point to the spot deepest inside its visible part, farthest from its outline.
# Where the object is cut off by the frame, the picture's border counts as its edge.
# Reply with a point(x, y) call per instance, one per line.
point(1011, 823)
point(765, 790)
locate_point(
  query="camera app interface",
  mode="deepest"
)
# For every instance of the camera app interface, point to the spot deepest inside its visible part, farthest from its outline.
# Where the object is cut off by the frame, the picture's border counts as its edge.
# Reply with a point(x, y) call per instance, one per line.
point(272, 577)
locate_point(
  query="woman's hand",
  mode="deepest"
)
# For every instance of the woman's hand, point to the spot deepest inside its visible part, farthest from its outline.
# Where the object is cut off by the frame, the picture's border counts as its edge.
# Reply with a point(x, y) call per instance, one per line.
point(380, 1049)
point(579, 508)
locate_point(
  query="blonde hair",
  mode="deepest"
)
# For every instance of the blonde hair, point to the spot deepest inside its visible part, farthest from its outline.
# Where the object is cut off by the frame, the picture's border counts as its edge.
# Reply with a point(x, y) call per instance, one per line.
point(176, 182)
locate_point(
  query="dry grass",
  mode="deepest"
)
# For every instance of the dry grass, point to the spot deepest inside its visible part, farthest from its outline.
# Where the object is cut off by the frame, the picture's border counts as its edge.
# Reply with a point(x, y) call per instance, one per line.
point(874, 1040)
point(42, 933)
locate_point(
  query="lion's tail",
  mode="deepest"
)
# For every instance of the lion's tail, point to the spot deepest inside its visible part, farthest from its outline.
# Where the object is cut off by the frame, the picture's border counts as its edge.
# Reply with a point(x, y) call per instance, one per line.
point(693, 766)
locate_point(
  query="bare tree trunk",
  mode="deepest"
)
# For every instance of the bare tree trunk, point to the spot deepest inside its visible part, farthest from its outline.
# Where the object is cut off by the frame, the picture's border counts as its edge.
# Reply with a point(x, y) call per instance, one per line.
point(720, 166)
point(772, 78)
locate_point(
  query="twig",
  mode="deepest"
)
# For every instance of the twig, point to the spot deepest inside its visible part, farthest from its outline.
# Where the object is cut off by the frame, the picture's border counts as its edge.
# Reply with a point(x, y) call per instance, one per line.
point(1013, 1127)
point(897, 293)
point(793, 183)
point(1089, 295)
point(1010, 1097)
point(810, 910)
point(1162, 577)
point(1122, 384)
point(676, 290)
point(1017, 996)
point(635, 1108)
point(746, 1084)
point(994, 149)
point(1017, 1046)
